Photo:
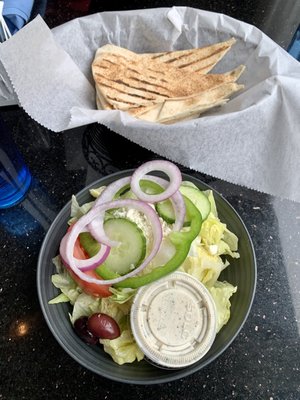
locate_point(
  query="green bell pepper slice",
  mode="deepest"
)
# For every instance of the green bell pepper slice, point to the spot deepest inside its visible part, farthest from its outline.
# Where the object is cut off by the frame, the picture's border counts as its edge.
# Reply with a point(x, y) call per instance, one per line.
point(182, 242)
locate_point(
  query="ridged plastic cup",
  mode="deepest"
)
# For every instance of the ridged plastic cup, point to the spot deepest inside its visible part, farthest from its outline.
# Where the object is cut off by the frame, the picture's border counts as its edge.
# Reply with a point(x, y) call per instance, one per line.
point(173, 320)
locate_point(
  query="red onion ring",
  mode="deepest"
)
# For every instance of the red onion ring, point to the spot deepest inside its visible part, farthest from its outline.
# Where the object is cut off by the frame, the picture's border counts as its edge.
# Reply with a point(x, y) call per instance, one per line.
point(176, 200)
point(96, 226)
point(68, 245)
point(113, 188)
point(88, 264)
point(168, 168)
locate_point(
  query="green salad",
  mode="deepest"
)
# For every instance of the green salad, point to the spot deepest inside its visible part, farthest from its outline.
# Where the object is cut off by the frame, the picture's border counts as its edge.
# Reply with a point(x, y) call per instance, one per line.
point(207, 254)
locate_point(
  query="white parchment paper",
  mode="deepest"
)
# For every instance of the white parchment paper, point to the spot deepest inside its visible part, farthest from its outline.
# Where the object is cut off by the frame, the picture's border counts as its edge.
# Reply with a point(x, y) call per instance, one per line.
point(254, 140)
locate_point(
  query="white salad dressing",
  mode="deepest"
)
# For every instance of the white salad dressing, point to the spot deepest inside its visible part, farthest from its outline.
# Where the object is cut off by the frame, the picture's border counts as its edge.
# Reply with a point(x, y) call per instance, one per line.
point(173, 320)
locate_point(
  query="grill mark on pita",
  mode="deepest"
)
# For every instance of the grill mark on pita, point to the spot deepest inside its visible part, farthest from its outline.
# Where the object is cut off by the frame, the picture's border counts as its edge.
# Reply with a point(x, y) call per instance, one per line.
point(137, 74)
point(119, 64)
point(136, 71)
point(157, 78)
point(178, 57)
point(129, 86)
point(150, 83)
point(201, 59)
point(140, 96)
point(122, 101)
point(107, 60)
point(100, 66)
point(207, 66)
point(121, 61)
point(157, 71)
point(161, 55)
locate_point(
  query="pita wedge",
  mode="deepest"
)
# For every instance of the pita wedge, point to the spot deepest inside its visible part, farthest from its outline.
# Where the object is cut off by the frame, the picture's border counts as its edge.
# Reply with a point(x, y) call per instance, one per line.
point(201, 60)
point(182, 108)
point(128, 81)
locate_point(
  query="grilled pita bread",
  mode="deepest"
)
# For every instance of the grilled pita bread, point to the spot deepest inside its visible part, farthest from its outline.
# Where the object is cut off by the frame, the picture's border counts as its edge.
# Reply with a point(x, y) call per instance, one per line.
point(201, 60)
point(128, 82)
point(163, 87)
point(183, 107)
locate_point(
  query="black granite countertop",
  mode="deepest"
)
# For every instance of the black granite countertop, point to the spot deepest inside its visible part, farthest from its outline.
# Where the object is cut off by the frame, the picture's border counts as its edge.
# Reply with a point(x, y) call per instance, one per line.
point(264, 360)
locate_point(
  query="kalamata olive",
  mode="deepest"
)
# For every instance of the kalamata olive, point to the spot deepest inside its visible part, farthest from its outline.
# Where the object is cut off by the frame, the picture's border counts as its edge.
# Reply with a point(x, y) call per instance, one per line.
point(103, 326)
point(80, 327)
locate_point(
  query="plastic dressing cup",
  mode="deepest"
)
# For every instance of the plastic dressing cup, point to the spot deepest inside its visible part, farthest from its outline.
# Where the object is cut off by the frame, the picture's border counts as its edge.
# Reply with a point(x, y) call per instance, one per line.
point(173, 320)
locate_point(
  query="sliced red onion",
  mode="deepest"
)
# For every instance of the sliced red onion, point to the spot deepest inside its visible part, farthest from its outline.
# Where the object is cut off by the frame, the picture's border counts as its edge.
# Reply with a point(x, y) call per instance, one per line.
point(168, 168)
point(176, 200)
point(96, 226)
point(89, 263)
point(68, 245)
point(112, 189)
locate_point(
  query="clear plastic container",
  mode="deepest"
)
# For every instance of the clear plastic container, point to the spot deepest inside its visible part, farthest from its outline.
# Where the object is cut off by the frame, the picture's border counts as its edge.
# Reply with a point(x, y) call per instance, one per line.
point(173, 320)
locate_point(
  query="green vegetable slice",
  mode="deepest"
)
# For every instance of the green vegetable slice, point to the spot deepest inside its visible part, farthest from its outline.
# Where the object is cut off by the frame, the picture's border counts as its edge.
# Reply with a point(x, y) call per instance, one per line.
point(181, 241)
point(125, 257)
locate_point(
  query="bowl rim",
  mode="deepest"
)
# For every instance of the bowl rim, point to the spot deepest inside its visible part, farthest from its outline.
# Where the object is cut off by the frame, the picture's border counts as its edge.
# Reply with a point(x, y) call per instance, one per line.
point(180, 373)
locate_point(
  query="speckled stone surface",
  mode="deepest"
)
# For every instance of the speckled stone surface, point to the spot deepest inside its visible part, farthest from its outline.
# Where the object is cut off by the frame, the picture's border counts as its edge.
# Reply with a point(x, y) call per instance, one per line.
point(264, 360)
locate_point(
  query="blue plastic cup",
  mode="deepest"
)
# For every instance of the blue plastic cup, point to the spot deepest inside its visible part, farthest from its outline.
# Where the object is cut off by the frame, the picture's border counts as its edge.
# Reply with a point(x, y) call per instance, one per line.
point(15, 177)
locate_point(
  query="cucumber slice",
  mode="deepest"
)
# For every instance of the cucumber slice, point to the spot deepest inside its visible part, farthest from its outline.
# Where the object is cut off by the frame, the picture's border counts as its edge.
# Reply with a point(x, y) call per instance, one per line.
point(198, 198)
point(165, 208)
point(131, 250)
point(147, 186)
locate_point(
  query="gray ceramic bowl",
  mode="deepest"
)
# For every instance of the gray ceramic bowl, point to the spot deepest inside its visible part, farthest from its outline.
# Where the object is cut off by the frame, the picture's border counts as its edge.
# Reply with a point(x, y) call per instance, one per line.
point(241, 272)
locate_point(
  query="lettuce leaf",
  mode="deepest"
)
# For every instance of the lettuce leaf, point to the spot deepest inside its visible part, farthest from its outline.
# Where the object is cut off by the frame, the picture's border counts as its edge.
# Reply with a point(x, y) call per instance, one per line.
point(85, 305)
point(205, 266)
point(217, 238)
point(115, 310)
point(123, 349)
point(221, 293)
point(97, 191)
point(122, 295)
point(63, 281)
point(78, 211)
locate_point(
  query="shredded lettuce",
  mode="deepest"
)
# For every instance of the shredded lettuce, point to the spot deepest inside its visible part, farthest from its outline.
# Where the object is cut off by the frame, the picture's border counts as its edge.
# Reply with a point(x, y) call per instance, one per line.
point(61, 298)
point(221, 293)
point(115, 310)
point(85, 305)
point(78, 211)
point(205, 267)
point(122, 295)
point(97, 191)
point(63, 281)
point(217, 238)
point(123, 349)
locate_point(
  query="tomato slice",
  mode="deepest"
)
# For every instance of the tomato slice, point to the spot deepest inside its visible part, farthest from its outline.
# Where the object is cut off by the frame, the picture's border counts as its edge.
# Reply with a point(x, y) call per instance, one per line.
point(90, 288)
